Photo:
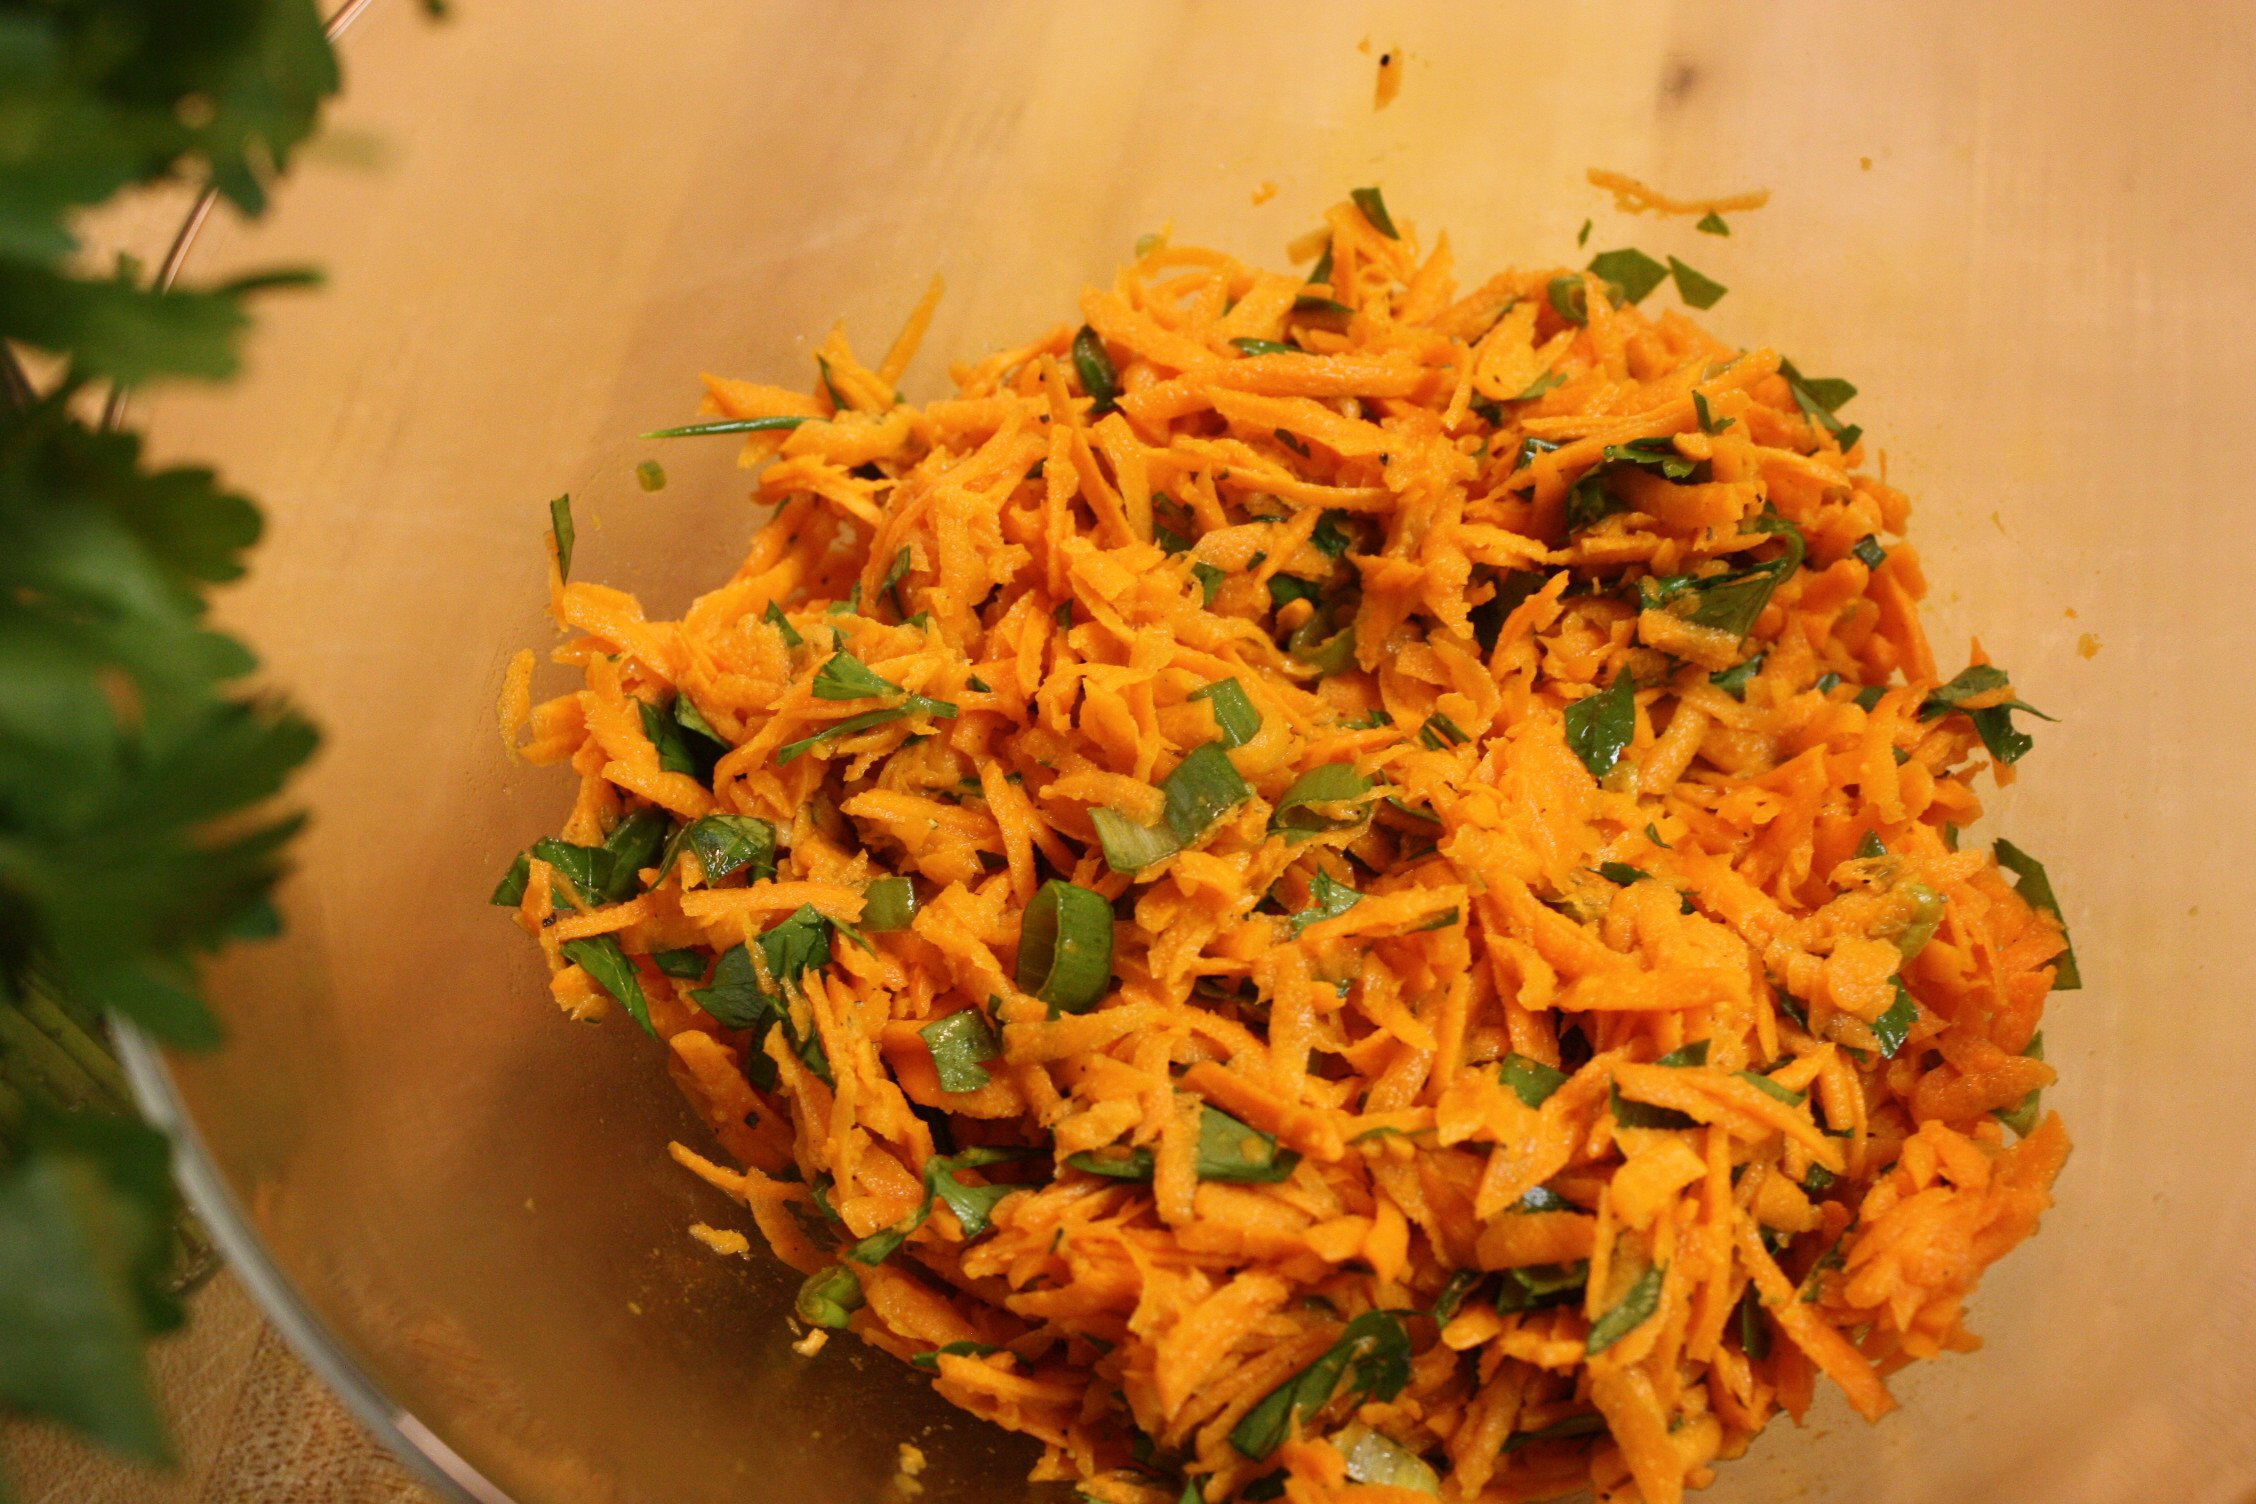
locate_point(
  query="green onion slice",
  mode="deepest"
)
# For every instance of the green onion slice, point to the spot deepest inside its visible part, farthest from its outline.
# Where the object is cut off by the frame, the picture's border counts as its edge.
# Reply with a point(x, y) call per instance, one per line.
point(1065, 947)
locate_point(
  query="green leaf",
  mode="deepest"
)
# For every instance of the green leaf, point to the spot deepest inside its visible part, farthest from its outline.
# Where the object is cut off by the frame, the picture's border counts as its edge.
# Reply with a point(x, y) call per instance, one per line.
point(1686, 1057)
point(1712, 223)
point(1582, 236)
point(1768, 1087)
point(1633, 272)
point(854, 725)
point(729, 844)
point(2033, 883)
point(1708, 424)
point(86, 1246)
point(1371, 1359)
point(1233, 712)
point(680, 750)
point(1209, 580)
point(1297, 816)
point(510, 891)
point(1461, 1283)
point(798, 945)
point(1633, 1311)
point(1601, 726)
point(1869, 552)
point(1229, 1150)
point(684, 965)
point(1590, 502)
point(1893, 1026)
point(634, 843)
point(1536, 1286)
point(1818, 398)
point(602, 959)
point(735, 999)
point(845, 677)
point(586, 869)
point(1328, 899)
point(1437, 731)
point(1531, 1080)
point(1098, 378)
point(560, 528)
point(1993, 723)
point(1733, 681)
point(774, 617)
point(1656, 454)
point(1250, 346)
point(1374, 209)
point(961, 1045)
point(888, 904)
point(1696, 290)
point(1731, 601)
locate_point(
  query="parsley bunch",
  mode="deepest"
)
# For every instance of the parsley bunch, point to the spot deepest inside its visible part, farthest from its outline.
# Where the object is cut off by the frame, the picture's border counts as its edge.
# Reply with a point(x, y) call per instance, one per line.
point(133, 759)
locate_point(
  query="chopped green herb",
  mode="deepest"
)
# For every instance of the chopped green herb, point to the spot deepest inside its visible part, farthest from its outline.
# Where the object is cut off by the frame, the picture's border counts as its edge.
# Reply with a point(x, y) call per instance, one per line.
point(1582, 236)
point(1621, 874)
point(1314, 643)
point(1321, 272)
point(607, 965)
point(1329, 538)
point(1453, 1294)
point(683, 965)
point(1065, 947)
point(1209, 580)
point(1229, 1150)
point(1541, 1199)
point(1868, 550)
point(1733, 681)
point(896, 572)
point(1439, 731)
point(855, 724)
point(1994, 723)
point(961, 1045)
point(2022, 1116)
point(1768, 1087)
point(1696, 290)
point(1375, 210)
point(1686, 1056)
point(1631, 271)
point(1601, 726)
point(774, 616)
point(1712, 223)
point(1371, 1358)
point(1819, 397)
point(1590, 502)
point(1233, 712)
point(727, 425)
point(1296, 816)
point(1892, 1027)
point(1870, 846)
point(1542, 384)
point(845, 677)
point(1732, 601)
point(680, 749)
point(735, 999)
point(1634, 1309)
point(1573, 1427)
point(1659, 454)
point(2033, 883)
point(1869, 696)
point(728, 844)
point(1708, 424)
point(510, 891)
point(1653, 834)
point(1535, 1286)
point(650, 475)
point(1284, 589)
point(1531, 1080)
point(1098, 377)
point(560, 528)
point(1250, 346)
point(1328, 898)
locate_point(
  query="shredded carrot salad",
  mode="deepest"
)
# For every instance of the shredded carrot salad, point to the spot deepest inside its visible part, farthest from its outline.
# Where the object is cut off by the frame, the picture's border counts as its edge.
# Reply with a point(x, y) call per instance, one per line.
point(1318, 886)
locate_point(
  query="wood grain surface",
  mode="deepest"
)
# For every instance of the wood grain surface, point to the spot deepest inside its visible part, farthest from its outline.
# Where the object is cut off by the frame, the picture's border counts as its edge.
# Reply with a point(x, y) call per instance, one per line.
point(250, 1423)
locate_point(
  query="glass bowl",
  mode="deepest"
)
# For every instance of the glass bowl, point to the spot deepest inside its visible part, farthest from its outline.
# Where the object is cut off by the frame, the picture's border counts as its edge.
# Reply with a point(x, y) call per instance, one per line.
point(2023, 231)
